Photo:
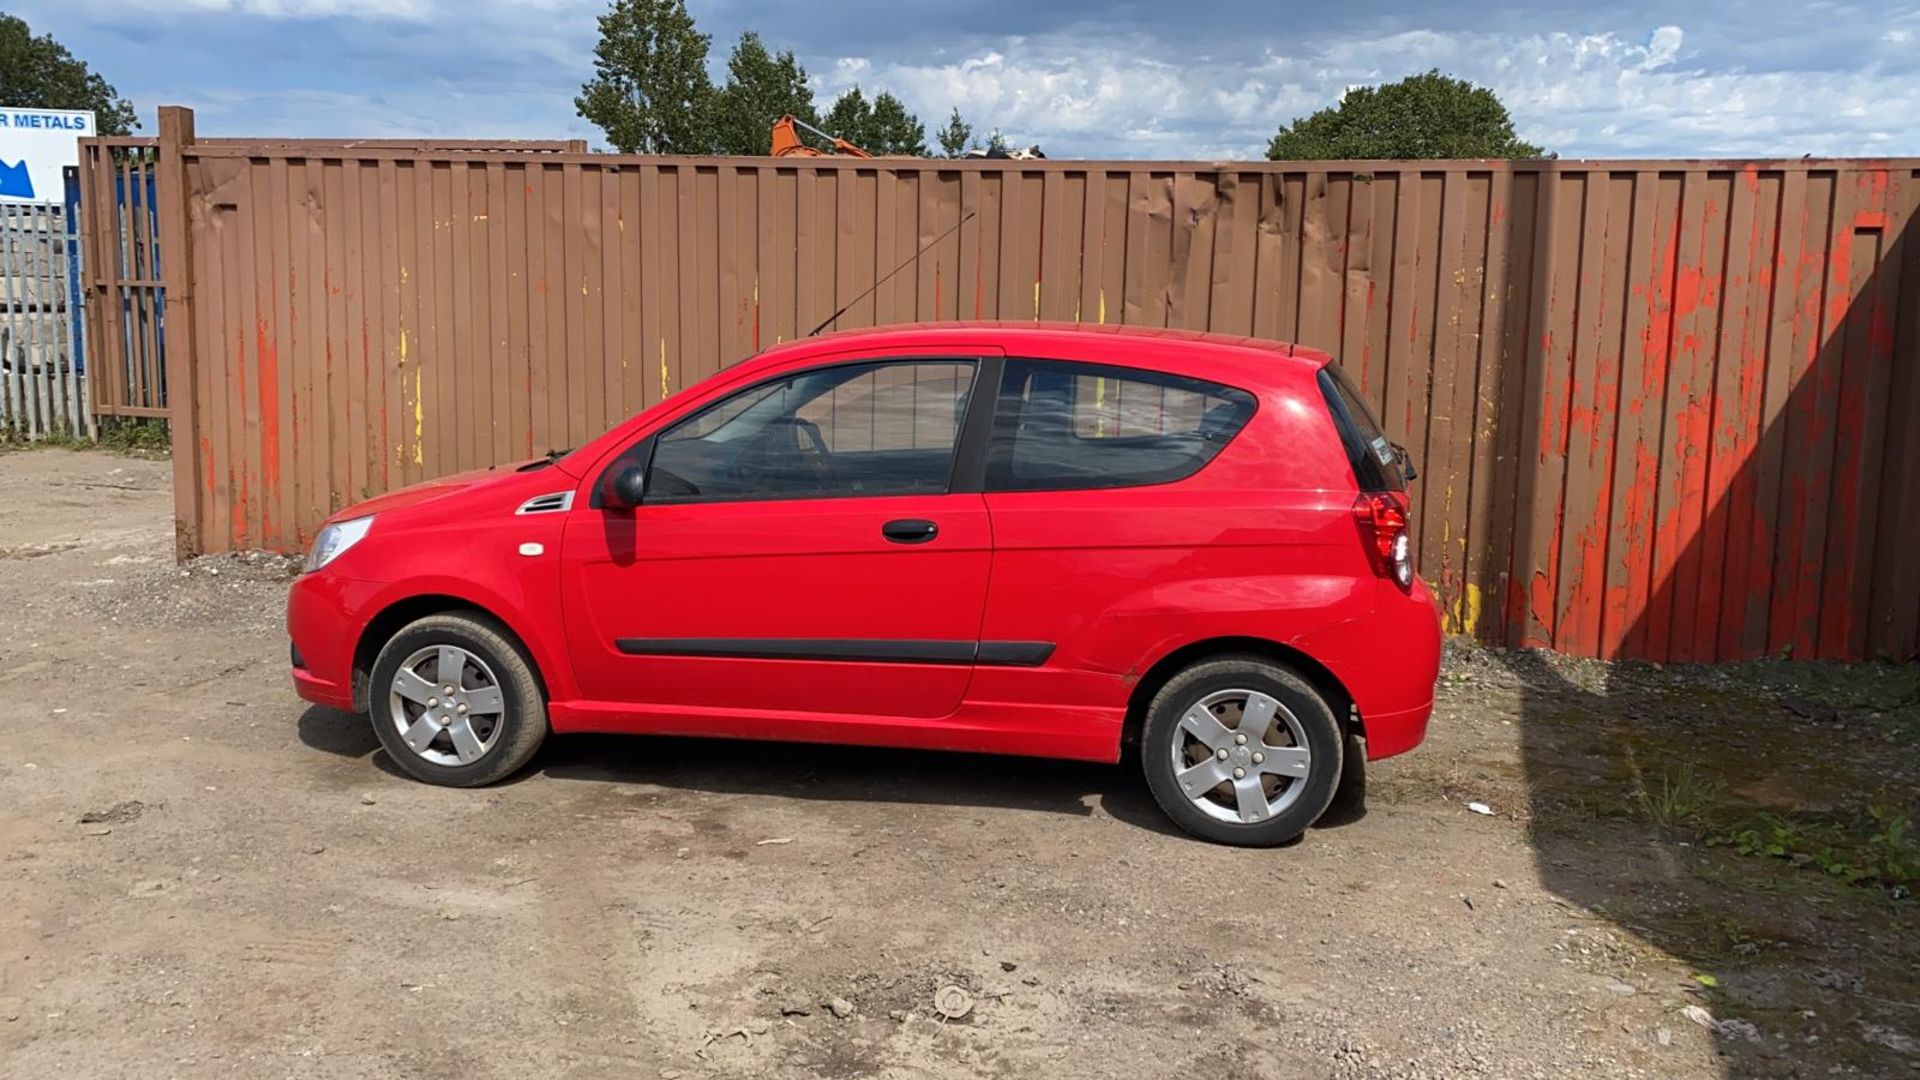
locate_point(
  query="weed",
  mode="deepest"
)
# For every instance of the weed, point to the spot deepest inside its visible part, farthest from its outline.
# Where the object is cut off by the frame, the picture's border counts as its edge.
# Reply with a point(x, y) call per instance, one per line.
point(1873, 847)
point(1680, 797)
point(136, 436)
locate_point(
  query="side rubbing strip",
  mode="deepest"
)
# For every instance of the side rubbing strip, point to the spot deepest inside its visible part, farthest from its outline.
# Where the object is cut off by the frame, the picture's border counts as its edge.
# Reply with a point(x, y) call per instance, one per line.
point(849, 650)
point(1015, 653)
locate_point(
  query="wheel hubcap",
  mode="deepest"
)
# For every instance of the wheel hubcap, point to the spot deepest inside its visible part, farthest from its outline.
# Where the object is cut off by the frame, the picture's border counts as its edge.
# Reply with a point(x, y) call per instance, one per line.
point(446, 704)
point(1241, 756)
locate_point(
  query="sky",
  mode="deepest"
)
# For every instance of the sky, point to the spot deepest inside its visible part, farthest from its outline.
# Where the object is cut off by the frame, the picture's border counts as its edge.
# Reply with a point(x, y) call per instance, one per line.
point(1082, 78)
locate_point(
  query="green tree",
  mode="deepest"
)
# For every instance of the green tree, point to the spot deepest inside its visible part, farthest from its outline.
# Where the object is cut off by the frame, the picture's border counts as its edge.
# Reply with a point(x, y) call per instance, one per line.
point(880, 126)
point(1421, 116)
point(39, 73)
point(650, 92)
point(849, 117)
point(761, 87)
point(894, 130)
point(954, 137)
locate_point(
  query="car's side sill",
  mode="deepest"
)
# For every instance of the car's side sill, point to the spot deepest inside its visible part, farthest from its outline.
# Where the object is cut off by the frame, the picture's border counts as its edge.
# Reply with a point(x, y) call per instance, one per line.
point(847, 650)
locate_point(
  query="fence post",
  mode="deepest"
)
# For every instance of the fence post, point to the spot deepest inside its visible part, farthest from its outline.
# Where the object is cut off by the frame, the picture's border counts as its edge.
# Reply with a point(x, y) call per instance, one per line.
point(176, 269)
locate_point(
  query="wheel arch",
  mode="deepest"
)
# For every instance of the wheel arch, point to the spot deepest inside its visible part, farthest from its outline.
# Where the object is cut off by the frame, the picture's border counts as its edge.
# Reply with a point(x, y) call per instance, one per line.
point(1164, 669)
point(390, 619)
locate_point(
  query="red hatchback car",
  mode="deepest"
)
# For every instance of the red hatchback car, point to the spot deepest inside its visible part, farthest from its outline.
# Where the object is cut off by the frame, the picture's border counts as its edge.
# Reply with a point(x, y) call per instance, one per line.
point(1021, 539)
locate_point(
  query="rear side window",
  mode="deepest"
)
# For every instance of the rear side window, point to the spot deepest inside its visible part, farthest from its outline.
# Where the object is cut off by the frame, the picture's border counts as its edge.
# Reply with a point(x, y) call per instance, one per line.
point(1372, 456)
point(1061, 425)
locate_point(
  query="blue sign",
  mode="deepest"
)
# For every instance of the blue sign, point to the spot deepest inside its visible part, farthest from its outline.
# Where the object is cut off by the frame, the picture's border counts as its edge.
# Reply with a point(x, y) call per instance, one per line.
point(15, 180)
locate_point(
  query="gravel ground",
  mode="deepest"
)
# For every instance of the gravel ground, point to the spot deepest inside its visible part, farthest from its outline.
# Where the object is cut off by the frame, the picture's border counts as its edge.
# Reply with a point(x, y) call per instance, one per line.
point(201, 876)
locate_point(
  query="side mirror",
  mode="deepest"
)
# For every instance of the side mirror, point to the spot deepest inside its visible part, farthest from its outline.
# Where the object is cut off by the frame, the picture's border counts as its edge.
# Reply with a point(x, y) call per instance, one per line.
point(627, 488)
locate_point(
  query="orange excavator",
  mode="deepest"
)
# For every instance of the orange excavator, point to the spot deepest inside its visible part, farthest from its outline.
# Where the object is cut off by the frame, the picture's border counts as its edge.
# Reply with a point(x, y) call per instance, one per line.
point(787, 142)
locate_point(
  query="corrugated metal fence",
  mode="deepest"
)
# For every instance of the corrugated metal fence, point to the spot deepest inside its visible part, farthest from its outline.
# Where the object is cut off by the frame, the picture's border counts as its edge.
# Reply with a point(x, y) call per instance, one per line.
point(1662, 409)
point(42, 388)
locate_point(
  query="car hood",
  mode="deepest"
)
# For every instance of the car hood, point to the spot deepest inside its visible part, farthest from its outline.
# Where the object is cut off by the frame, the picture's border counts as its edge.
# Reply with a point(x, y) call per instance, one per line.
point(442, 488)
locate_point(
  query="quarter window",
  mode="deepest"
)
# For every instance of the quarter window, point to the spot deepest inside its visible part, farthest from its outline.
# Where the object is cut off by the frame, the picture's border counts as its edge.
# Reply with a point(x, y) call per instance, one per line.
point(1061, 425)
point(884, 428)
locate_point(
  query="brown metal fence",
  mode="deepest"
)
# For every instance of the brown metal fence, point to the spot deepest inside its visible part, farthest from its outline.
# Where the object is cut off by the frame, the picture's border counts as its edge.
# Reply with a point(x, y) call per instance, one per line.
point(1663, 409)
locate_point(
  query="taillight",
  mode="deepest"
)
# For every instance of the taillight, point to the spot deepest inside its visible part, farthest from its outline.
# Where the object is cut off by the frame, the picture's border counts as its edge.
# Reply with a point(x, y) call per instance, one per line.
point(1383, 526)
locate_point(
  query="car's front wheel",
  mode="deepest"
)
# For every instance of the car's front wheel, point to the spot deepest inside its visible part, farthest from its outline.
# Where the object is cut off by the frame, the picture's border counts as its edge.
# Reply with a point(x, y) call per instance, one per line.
point(454, 701)
point(1241, 750)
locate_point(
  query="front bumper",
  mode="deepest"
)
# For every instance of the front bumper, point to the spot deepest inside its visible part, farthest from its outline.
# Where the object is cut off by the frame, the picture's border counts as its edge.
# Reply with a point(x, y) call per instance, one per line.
point(324, 632)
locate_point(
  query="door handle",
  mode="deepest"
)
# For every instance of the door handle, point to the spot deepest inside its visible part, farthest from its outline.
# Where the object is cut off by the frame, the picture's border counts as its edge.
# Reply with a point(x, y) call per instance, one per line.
point(910, 531)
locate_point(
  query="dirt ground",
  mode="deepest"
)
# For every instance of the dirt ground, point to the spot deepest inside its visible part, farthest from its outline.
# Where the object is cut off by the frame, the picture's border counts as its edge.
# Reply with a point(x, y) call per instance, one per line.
point(202, 876)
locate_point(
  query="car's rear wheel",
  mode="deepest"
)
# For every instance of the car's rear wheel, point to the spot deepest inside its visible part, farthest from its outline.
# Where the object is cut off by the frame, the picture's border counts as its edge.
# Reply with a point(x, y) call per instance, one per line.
point(1241, 750)
point(455, 702)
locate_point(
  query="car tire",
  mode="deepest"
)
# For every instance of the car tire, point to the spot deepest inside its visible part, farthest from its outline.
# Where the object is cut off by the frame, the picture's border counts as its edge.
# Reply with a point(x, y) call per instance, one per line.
point(1296, 763)
point(494, 671)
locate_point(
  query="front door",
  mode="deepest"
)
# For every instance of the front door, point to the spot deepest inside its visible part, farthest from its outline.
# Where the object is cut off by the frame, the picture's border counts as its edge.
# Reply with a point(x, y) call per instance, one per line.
point(797, 551)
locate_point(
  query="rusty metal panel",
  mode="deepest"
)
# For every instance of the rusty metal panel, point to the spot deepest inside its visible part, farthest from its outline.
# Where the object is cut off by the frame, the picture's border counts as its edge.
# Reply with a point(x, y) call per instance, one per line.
point(1657, 405)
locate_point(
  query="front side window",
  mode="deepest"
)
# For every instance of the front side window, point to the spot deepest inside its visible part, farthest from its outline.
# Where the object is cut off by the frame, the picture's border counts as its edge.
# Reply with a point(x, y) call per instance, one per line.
point(886, 428)
point(1063, 425)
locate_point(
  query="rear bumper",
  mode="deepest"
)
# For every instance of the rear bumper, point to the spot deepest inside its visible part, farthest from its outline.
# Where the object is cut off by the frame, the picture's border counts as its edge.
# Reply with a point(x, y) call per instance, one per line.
point(1389, 661)
point(1395, 732)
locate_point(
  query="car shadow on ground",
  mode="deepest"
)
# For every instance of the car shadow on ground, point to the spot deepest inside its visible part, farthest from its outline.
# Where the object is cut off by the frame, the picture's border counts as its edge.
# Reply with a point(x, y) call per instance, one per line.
point(825, 773)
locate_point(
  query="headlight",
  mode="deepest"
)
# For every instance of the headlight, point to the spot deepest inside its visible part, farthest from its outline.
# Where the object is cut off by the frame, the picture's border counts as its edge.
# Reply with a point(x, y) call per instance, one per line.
point(335, 539)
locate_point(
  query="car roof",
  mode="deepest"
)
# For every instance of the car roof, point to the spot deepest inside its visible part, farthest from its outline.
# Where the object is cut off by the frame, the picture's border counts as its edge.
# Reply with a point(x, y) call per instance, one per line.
point(1042, 338)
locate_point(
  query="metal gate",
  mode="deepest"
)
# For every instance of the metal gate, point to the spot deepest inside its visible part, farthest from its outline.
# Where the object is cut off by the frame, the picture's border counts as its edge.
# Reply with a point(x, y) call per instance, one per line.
point(124, 297)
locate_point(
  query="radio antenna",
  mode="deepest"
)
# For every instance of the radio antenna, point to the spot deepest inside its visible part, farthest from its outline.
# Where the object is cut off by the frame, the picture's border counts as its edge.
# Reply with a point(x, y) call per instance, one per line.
point(911, 259)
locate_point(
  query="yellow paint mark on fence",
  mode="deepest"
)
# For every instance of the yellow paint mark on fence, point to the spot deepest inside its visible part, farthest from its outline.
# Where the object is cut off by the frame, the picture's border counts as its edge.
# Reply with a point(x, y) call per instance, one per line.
point(1036, 299)
point(1103, 307)
point(419, 421)
point(1463, 615)
point(666, 386)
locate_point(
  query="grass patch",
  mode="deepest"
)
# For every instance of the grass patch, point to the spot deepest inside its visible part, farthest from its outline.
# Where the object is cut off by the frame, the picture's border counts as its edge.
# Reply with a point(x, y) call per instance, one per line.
point(1680, 797)
point(141, 437)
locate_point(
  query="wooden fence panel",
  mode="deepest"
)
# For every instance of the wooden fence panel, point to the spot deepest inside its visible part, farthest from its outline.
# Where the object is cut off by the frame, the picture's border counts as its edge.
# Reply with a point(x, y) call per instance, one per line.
point(1658, 405)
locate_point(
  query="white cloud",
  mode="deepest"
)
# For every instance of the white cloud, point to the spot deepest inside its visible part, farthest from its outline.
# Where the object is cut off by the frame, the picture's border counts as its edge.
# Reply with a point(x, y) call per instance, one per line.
point(356, 9)
point(1583, 94)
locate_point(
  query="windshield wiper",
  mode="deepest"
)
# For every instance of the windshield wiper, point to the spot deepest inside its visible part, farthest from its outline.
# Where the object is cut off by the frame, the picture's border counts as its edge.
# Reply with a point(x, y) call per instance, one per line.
point(542, 462)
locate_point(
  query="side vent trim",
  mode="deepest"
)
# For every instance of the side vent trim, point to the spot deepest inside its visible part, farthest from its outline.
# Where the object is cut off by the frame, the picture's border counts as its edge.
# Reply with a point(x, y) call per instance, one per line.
point(553, 502)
